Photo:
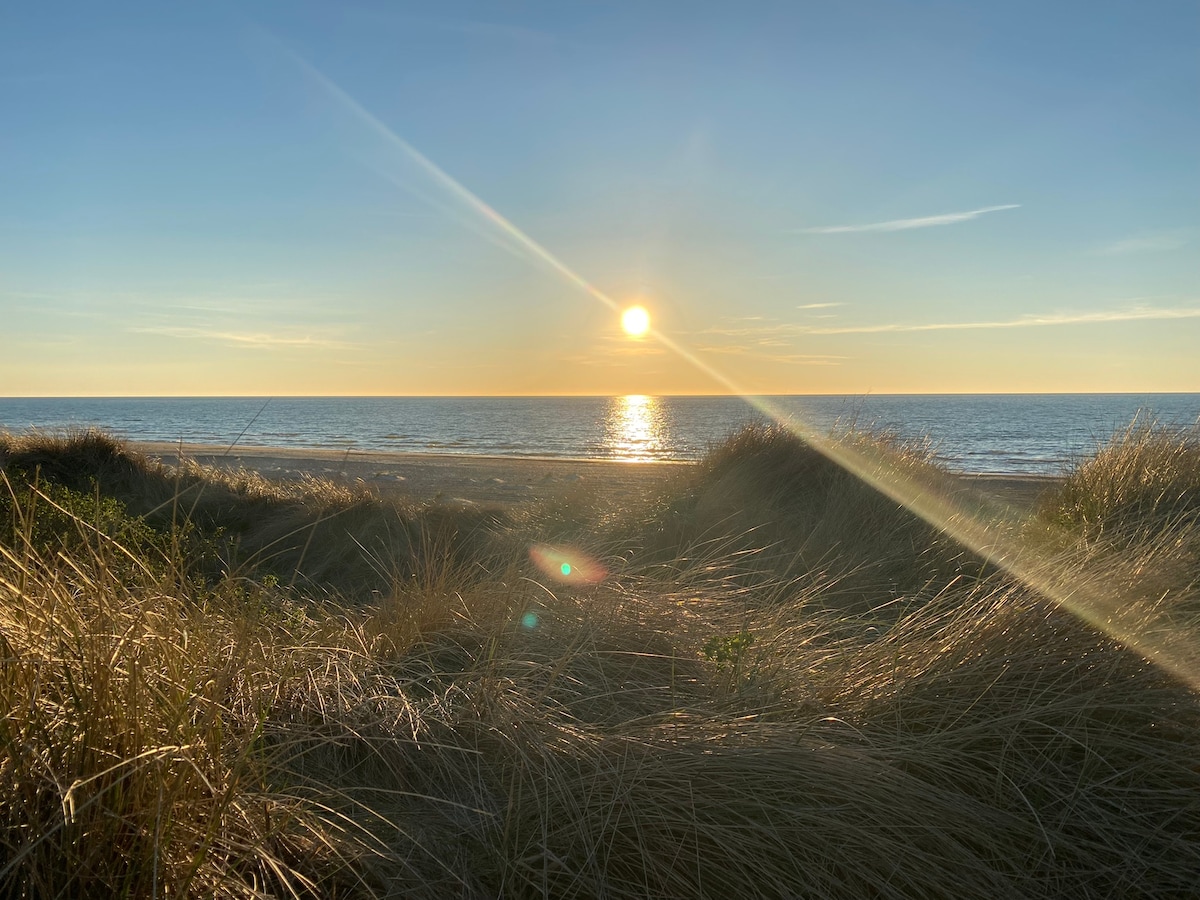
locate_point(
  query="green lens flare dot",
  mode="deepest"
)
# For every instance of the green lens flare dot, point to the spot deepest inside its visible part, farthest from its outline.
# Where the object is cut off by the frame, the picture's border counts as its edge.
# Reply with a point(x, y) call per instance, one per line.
point(565, 568)
point(529, 620)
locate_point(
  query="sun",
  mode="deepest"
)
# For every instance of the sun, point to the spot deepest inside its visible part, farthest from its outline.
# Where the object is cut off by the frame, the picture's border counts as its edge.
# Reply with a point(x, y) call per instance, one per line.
point(635, 321)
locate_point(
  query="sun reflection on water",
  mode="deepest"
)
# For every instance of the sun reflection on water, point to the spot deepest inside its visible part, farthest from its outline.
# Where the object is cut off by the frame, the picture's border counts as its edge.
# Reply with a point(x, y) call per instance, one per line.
point(635, 428)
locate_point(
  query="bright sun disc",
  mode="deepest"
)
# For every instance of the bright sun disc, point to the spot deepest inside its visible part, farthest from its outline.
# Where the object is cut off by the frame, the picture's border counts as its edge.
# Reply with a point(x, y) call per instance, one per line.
point(635, 321)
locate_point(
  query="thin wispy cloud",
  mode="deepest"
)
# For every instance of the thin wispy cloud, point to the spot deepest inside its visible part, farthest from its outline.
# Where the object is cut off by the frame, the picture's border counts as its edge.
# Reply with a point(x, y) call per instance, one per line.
point(49, 310)
point(257, 298)
point(744, 331)
point(244, 339)
point(760, 339)
point(1136, 314)
point(756, 352)
point(613, 350)
point(817, 306)
point(748, 338)
point(953, 218)
point(614, 345)
point(517, 35)
point(1145, 243)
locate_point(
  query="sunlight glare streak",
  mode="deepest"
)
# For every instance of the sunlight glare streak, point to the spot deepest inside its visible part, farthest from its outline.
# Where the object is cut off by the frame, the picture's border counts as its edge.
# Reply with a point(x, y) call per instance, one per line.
point(964, 515)
point(440, 178)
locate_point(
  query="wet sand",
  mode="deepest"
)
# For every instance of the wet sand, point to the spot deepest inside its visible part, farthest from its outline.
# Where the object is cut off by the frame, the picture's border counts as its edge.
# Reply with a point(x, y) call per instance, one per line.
point(504, 480)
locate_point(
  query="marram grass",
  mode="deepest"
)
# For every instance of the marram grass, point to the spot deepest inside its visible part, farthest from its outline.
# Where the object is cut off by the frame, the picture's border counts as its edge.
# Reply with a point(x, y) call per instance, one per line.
point(216, 685)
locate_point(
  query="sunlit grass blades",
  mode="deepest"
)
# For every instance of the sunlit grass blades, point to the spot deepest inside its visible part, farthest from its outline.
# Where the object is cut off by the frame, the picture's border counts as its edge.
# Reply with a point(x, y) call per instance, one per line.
point(817, 696)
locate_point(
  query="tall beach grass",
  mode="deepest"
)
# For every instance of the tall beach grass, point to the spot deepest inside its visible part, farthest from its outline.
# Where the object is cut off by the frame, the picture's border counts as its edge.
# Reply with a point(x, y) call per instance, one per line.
point(218, 685)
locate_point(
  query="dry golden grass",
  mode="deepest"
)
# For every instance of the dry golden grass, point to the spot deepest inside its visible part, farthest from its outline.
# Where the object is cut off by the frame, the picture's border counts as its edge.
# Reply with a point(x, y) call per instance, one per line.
point(1140, 492)
point(817, 696)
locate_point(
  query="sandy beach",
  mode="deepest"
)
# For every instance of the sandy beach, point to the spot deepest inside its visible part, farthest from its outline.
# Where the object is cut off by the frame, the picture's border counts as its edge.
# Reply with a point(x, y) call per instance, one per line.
point(478, 479)
point(493, 479)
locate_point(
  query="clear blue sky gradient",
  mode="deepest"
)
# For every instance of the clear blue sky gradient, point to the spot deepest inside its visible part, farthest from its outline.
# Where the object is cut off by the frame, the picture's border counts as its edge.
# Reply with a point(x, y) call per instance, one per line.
point(809, 197)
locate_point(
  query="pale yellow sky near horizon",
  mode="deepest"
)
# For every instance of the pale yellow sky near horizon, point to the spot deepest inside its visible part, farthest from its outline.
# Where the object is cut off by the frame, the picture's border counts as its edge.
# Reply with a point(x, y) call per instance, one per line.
point(268, 211)
point(1034, 360)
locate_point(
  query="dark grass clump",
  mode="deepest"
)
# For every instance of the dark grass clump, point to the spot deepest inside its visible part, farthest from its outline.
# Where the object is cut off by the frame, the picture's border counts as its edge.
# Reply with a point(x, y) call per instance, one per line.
point(334, 538)
point(76, 460)
point(774, 507)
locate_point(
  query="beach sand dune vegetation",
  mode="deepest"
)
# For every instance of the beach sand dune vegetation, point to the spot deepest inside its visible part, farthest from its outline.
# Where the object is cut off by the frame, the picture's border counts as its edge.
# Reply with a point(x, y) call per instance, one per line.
point(214, 684)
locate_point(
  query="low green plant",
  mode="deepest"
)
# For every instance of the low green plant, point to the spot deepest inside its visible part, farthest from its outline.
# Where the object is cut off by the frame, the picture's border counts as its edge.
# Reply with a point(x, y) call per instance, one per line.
point(729, 654)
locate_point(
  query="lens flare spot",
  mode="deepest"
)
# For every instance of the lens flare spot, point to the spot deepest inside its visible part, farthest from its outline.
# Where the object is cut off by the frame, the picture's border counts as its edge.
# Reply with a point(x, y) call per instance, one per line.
point(635, 321)
point(529, 621)
point(566, 564)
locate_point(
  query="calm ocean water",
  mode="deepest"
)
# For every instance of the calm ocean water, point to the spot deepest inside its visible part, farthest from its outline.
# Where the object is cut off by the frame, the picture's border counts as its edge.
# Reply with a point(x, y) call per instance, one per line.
point(1018, 433)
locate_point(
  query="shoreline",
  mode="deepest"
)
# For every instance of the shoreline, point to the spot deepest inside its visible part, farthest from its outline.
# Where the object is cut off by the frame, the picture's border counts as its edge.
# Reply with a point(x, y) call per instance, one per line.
point(500, 479)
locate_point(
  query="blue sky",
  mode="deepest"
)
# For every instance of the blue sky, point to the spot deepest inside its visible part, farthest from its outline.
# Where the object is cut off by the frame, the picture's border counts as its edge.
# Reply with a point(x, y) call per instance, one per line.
point(320, 198)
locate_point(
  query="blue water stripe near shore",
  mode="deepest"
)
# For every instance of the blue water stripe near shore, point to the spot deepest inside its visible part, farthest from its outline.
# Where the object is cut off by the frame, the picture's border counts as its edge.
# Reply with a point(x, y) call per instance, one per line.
point(1009, 433)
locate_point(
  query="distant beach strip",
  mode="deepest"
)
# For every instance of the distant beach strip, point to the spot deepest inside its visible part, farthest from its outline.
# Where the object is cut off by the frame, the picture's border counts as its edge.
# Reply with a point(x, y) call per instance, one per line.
point(490, 480)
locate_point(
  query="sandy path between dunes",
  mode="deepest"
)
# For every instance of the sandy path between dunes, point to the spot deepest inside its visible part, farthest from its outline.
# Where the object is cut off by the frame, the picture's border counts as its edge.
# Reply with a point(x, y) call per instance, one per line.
point(491, 479)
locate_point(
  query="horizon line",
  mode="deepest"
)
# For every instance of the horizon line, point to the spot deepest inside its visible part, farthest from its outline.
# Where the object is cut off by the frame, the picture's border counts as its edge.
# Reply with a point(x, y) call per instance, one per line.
point(666, 394)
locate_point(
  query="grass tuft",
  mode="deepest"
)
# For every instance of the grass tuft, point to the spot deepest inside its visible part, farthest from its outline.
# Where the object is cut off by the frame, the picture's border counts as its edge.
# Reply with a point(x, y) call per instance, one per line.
point(1145, 479)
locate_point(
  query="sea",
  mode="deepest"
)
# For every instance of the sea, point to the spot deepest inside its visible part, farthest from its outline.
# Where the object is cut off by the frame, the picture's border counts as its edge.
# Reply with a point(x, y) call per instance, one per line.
point(1001, 433)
